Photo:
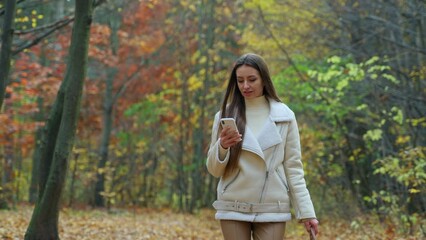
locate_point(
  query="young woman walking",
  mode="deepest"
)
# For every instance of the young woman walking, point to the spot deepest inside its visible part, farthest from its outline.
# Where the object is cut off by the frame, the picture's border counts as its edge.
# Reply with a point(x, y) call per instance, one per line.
point(258, 162)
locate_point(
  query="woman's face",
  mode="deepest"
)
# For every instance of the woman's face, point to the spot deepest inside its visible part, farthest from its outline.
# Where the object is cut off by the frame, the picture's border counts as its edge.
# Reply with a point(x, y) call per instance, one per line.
point(249, 82)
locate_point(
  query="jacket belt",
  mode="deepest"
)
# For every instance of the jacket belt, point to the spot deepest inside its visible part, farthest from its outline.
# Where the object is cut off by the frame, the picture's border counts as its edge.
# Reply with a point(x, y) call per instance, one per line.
point(251, 207)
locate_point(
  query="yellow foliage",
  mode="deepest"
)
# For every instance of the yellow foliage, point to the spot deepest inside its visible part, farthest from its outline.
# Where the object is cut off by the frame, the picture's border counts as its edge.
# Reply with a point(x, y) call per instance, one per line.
point(194, 83)
point(253, 4)
point(402, 140)
point(77, 150)
point(292, 23)
point(413, 190)
point(141, 145)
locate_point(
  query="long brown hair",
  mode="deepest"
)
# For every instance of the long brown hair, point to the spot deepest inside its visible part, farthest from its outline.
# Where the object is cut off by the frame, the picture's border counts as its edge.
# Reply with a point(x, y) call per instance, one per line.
point(233, 104)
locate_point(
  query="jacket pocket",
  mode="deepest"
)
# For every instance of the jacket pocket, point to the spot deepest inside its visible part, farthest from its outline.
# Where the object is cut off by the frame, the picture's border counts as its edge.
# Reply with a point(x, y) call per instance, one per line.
point(230, 182)
point(282, 179)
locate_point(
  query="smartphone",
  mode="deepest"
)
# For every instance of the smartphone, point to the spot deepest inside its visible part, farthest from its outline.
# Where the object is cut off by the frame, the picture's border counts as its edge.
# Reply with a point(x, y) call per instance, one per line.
point(229, 122)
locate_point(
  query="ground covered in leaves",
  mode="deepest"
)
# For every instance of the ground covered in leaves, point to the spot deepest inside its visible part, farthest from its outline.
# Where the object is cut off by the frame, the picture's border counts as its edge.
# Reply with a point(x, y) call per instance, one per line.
point(138, 224)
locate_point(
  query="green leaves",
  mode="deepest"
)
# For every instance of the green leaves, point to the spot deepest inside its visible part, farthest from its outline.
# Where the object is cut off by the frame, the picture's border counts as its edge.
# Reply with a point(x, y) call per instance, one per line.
point(373, 135)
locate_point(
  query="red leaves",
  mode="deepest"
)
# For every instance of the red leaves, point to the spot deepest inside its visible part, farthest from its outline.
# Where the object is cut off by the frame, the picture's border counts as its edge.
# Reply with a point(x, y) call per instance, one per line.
point(100, 45)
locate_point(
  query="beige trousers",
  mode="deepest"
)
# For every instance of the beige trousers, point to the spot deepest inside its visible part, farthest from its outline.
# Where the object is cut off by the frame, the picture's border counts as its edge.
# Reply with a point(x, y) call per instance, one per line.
point(239, 230)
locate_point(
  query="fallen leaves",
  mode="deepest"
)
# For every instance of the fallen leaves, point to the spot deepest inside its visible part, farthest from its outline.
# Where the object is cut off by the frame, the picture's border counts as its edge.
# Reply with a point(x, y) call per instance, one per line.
point(117, 224)
point(158, 224)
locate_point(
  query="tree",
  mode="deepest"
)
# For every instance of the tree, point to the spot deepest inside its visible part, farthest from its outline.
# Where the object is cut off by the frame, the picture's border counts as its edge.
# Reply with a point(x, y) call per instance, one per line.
point(126, 62)
point(6, 46)
point(59, 132)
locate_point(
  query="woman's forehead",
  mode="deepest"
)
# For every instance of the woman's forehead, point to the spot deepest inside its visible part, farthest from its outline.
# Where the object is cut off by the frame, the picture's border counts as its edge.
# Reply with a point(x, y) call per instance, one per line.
point(246, 70)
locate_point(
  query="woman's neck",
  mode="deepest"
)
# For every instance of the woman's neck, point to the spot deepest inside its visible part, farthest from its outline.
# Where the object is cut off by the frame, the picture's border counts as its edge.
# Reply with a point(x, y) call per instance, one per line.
point(258, 102)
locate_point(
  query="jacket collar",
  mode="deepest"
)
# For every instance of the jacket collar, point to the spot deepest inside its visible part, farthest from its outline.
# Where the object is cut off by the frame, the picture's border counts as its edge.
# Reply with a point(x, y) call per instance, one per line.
point(269, 136)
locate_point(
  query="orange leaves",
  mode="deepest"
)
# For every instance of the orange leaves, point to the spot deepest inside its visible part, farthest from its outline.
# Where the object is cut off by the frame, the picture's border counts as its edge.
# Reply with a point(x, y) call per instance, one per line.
point(144, 44)
point(30, 81)
point(142, 28)
point(140, 17)
point(99, 35)
point(17, 133)
point(100, 45)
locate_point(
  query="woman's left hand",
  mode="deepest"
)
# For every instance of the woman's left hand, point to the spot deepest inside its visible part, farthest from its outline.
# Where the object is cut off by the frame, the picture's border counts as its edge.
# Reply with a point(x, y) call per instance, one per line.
point(313, 223)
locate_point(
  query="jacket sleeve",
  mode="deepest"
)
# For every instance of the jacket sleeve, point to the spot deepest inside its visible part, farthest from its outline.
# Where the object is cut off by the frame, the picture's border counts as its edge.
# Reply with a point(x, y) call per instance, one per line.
point(300, 197)
point(215, 165)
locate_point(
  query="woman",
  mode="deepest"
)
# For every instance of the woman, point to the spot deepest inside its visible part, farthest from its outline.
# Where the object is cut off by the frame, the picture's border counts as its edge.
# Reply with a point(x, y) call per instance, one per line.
point(259, 165)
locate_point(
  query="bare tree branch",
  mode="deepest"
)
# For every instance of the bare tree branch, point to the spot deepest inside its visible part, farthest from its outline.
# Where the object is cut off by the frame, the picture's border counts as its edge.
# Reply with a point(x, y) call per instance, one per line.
point(56, 25)
point(42, 36)
point(53, 27)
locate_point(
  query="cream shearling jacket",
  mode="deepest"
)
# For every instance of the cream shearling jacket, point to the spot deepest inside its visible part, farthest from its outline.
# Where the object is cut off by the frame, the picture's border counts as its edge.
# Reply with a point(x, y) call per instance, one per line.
point(270, 173)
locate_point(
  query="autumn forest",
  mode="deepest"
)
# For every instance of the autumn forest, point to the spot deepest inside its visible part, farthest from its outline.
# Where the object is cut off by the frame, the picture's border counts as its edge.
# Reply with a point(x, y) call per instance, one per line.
point(107, 106)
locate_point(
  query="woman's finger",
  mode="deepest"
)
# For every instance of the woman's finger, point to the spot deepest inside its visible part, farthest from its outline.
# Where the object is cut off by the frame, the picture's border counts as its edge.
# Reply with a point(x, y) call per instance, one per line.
point(229, 137)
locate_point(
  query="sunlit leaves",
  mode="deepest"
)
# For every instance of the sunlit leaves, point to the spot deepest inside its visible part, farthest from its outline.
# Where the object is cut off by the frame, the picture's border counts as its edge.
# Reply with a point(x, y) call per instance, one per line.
point(354, 98)
point(260, 3)
point(373, 135)
point(147, 111)
point(194, 83)
point(418, 122)
point(408, 168)
point(293, 25)
point(25, 20)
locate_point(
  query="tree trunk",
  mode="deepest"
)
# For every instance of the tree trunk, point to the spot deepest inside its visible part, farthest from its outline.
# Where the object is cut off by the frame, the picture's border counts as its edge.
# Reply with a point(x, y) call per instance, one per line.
point(107, 116)
point(106, 133)
point(6, 46)
point(73, 177)
point(33, 190)
point(6, 196)
point(206, 28)
point(59, 132)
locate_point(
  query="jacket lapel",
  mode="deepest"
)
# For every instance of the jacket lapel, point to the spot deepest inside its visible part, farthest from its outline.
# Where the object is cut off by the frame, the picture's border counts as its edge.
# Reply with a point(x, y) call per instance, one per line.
point(251, 144)
point(269, 135)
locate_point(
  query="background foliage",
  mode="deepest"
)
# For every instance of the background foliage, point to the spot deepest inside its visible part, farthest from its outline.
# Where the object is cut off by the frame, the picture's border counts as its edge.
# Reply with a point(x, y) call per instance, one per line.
point(353, 71)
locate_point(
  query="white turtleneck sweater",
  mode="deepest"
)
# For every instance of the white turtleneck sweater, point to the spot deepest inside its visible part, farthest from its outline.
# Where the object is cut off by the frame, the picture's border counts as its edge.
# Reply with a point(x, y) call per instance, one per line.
point(257, 111)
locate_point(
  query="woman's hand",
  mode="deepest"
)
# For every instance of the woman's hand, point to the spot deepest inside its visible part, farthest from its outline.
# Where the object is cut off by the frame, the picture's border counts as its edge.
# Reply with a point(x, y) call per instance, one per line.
point(313, 223)
point(229, 137)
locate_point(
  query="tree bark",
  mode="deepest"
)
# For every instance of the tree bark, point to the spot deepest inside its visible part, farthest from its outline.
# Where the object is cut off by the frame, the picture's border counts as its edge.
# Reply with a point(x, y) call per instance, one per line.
point(6, 46)
point(35, 174)
point(107, 116)
point(7, 192)
point(59, 132)
point(106, 134)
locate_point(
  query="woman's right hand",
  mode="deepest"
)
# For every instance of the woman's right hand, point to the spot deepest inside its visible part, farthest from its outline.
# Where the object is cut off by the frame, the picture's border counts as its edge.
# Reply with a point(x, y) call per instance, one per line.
point(229, 137)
